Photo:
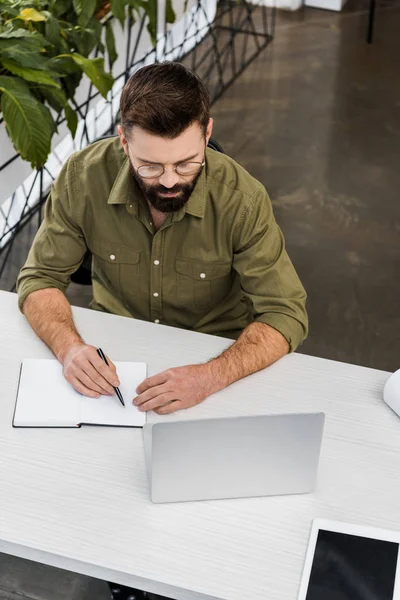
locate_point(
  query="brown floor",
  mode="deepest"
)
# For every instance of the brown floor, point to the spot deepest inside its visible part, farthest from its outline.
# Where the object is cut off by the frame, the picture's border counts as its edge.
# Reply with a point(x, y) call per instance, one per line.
point(317, 119)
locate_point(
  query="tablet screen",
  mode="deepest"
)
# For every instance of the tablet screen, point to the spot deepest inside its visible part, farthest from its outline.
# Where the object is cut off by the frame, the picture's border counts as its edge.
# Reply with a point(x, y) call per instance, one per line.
point(350, 567)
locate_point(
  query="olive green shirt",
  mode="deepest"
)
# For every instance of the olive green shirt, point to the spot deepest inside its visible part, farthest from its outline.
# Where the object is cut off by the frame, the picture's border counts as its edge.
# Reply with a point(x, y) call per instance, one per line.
point(215, 266)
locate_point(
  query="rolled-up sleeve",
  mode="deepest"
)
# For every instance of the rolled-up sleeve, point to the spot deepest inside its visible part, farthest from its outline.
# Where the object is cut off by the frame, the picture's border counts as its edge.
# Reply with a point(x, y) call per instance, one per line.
point(59, 246)
point(266, 272)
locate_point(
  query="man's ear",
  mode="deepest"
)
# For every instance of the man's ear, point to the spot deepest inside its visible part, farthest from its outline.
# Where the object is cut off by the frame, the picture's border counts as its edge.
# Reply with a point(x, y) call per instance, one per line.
point(209, 130)
point(122, 138)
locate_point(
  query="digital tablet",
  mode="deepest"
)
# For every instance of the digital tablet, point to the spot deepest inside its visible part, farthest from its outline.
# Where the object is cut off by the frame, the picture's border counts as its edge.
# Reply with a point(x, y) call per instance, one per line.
point(351, 562)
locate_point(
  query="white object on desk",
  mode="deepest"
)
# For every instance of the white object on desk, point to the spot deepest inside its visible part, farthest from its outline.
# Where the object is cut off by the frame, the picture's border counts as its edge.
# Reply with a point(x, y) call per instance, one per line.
point(46, 399)
point(391, 392)
point(80, 500)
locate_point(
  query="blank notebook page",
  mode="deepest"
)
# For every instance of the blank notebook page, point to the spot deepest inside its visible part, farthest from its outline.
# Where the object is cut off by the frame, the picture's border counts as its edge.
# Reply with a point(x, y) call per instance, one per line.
point(45, 398)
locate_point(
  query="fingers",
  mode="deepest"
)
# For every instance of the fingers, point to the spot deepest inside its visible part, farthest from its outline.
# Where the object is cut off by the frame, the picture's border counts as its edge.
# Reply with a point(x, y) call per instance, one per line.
point(157, 401)
point(91, 371)
point(150, 382)
point(173, 389)
point(169, 408)
point(109, 372)
point(149, 394)
point(82, 389)
point(85, 370)
point(92, 385)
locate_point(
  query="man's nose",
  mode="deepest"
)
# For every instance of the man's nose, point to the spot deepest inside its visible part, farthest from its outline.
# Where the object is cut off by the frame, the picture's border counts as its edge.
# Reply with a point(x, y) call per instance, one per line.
point(169, 178)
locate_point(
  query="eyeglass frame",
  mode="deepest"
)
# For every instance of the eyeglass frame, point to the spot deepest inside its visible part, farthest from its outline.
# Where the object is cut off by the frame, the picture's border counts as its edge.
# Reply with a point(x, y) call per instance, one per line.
point(175, 169)
point(164, 170)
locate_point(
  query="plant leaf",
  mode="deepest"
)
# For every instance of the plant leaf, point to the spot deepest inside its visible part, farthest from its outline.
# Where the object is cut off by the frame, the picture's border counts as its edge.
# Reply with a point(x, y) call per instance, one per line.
point(137, 5)
point(118, 10)
point(72, 81)
point(8, 10)
point(110, 44)
point(52, 30)
point(131, 14)
point(151, 10)
point(29, 123)
point(34, 38)
point(55, 97)
point(72, 119)
point(59, 7)
point(73, 39)
point(30, 74)
point(89, 37)
point(94, 69)
point(15, 33)
point(23, 55)
point(31, 14)
point(78, 6)
point(63, 65)
point(86, 41)
point(86, 8)
point(169, 12)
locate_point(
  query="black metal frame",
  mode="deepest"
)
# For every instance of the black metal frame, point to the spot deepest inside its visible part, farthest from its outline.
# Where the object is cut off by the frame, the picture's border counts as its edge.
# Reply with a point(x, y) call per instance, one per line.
point(371, 21)
point(228, 45)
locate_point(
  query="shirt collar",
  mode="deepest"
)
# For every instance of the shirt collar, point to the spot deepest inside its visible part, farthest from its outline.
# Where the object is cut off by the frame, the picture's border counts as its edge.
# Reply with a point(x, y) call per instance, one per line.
point(125, 190)
point(196, 204)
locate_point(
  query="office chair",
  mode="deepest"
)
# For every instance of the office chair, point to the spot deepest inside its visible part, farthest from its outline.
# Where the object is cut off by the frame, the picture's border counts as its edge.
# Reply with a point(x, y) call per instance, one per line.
point(83, 275)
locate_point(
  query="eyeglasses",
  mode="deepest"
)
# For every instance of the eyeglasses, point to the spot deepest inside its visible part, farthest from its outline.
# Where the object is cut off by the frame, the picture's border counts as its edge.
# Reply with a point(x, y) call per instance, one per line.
point(155, 171)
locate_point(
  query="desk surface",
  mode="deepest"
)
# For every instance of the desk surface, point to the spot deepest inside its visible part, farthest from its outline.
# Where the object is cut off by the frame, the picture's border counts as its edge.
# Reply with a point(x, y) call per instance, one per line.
point(78, 499)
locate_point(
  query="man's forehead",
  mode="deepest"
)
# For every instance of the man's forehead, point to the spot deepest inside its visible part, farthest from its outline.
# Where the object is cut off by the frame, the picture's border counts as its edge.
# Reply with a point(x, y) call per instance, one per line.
point(154, 148)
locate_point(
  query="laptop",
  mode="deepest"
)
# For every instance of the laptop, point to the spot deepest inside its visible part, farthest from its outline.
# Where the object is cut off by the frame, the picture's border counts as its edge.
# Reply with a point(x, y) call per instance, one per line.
point(236, 457)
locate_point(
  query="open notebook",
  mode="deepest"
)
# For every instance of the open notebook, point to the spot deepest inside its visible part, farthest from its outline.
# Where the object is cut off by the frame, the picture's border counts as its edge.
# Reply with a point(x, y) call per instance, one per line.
point(46, 399)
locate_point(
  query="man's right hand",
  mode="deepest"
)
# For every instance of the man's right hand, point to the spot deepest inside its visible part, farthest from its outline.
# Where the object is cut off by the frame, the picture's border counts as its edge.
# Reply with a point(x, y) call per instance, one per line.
point(87, 372)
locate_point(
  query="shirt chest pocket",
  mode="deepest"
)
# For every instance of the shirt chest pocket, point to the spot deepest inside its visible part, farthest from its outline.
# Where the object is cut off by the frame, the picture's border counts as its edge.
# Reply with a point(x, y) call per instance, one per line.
point(202, 283)
point(116, 266)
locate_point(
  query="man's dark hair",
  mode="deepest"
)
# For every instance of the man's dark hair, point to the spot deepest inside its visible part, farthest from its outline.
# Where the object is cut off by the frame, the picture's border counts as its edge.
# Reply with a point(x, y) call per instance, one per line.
point(164, 99)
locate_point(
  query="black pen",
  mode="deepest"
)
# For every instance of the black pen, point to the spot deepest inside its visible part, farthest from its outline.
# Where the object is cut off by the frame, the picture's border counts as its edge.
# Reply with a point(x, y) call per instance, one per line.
point(103, 357)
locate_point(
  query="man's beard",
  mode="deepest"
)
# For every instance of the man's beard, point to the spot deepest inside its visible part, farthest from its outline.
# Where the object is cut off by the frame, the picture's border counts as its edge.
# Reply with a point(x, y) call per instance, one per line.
point(165, 204)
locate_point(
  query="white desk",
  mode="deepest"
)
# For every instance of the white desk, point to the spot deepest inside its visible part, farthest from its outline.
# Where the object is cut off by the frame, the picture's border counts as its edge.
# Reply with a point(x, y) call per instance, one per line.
point(78, 499)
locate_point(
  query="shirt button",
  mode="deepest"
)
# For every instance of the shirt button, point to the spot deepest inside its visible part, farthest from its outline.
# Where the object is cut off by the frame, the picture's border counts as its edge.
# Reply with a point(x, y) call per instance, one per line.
point(112, 256)
point(150, 224)
point(202, 275)
point(155, 294)
point(131, 206)
point(156, 320)
point(156, 262)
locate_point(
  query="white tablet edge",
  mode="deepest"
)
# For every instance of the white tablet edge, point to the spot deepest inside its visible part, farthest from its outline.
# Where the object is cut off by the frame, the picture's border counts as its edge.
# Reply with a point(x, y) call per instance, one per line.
point(341, 527)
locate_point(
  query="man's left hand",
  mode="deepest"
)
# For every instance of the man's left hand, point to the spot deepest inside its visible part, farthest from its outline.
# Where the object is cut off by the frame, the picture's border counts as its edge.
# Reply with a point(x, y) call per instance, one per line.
point(174, 389)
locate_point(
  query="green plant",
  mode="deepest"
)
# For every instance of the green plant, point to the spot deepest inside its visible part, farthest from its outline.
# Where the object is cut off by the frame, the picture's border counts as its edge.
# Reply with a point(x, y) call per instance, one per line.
point(44, 52)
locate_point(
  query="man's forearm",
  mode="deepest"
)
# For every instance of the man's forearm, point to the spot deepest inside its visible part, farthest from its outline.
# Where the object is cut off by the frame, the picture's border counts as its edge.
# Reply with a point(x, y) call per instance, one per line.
point(50, 316)
point(258, 347)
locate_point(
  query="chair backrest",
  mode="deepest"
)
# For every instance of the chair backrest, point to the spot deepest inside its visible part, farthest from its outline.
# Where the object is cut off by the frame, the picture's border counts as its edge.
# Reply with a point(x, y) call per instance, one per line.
point(214, 145)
